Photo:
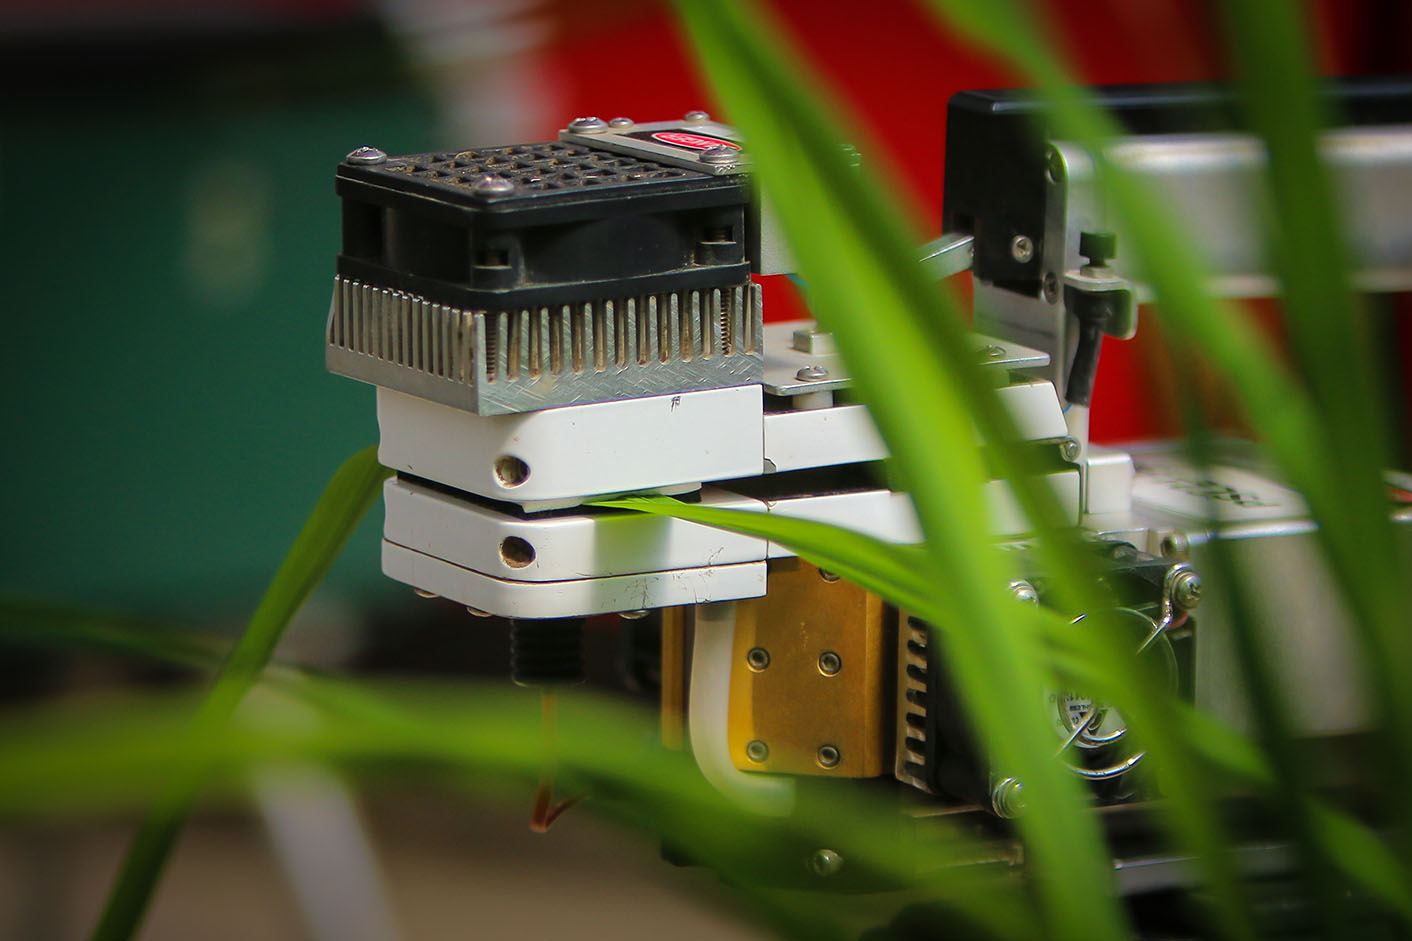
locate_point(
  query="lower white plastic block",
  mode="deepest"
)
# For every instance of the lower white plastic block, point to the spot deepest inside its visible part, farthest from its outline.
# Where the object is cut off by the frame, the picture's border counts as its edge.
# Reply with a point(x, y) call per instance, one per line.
point(575, 597)
point(589, 544)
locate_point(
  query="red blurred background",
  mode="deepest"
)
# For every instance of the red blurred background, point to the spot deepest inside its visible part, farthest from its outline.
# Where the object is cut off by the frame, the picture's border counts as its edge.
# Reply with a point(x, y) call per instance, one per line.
point(896, 69)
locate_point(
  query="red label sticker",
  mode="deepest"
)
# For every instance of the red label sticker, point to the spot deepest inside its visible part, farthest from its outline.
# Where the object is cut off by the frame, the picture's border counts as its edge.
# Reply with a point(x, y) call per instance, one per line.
point(693, 141)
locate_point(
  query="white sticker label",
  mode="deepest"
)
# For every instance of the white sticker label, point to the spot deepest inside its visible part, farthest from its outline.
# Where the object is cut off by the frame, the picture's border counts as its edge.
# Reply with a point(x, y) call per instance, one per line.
point(1218, 492)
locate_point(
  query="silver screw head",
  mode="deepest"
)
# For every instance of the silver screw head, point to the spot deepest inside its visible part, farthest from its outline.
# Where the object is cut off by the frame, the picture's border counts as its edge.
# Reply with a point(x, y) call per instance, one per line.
point(366, 157)
point(423, 593)
point(757, 750)
point(634, 615)
point(829, 756)
point(1054, 165)
point(587, 125)
point(696, 117)
point(1022, 249)
point(990, 351)
point(828, 576)
point(812, 373)
point(1051, 287)
point(620, 122)
point(830, 663)
point(1069, 449)
point(825, 862)
point(1024, 592)
point(492, 185)
point(1007, 798)
point(719, 155)
point(477, 612)
point(1174, 545)
point(1186, 591)
point(758, 658)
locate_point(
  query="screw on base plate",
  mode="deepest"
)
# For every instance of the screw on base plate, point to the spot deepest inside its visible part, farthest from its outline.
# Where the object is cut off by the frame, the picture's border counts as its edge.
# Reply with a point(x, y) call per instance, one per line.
point(825, 862)
point(366, 157)
point(1007, 798)
point(1186, 591)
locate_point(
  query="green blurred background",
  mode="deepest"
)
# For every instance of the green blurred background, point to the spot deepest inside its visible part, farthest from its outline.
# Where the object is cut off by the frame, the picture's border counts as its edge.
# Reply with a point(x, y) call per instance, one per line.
point(168, 229)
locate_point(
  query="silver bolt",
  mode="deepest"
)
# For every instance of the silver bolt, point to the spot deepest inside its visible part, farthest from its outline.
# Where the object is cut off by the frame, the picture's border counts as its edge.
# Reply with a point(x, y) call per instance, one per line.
point(829, 756)
point(588, 125)
point(830, 663)
point(1186, 590)
point(620, 122)
point(1007, 798)
point(423, 593)
point(366, 157)
point(696, 117)
point(1054, 165)
point(825, 862)
point(1051, 287)
point(1174, 546)
point(1069, 449)
point(757, 750)
point(1022, 249)
point(812, 373)
point(492, 185)
point(719, 155)
point(990, 351)
point(758, 658)
point(477, 612)
point(1023, 591)
point(634, 615)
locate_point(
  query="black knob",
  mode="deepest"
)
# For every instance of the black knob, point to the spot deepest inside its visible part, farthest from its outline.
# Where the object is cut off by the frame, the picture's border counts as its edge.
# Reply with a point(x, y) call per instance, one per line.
point(1098, 247)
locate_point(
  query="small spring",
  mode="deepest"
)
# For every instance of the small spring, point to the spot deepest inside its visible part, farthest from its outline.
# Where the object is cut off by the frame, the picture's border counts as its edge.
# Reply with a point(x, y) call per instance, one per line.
point(725, 325)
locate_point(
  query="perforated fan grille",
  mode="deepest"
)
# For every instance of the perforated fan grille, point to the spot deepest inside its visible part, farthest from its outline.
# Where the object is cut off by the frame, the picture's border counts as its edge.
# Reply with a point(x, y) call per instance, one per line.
point(535, 167)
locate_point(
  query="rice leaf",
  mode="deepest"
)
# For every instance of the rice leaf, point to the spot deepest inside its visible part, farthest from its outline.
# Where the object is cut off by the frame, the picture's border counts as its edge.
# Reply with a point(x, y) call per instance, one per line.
point(344, 502)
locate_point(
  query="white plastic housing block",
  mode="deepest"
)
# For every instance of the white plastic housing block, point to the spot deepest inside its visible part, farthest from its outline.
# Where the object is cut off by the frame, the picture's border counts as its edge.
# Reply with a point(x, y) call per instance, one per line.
point(1109, 487)
point(575, 597)
point(1034, 407)
point(821, 437)
point(591, 544)
point(1003, 507)
point(845, 434)
point(889, 516)
point(882, 514)
point(561, 456)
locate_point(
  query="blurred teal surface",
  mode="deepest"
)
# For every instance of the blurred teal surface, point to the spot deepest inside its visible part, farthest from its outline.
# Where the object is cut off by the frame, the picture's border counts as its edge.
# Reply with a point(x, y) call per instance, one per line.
point(167, 263)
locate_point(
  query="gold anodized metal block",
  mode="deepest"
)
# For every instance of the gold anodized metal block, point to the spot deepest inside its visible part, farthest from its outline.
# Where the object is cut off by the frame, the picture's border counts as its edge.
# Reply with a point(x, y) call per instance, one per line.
point(809, 677)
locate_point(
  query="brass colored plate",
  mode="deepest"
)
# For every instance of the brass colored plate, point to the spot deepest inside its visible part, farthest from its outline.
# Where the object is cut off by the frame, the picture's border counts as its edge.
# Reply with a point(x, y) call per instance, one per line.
point(673, 677)
point(808, 679)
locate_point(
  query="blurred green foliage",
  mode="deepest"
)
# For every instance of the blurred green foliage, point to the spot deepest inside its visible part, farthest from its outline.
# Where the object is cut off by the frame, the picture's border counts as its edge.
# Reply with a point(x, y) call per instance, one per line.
point(905, 344)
